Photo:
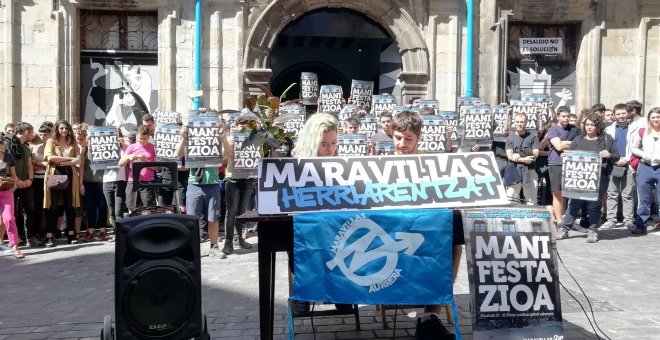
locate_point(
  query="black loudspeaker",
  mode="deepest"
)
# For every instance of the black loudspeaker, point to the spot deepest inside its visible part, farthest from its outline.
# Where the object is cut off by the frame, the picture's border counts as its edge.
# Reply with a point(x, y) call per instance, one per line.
point(158, 277)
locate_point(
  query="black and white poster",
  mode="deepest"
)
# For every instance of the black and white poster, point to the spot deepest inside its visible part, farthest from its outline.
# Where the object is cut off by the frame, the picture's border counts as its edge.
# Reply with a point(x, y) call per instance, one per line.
point(330, 99)
point(451, 118)
point(290, 185)
point(478, 125)
point(309, 88)
point(246, 157)
point(361, 92)
point(383, 147)
point(104, 149)
point(382, 102)
point(542, 102)
point(368, 125)
point(581, 174)
point(291, 119)
point(352, 145)
point(530, 109)
point(397, 109)
point(204, 147)
point(513, 274)
point(467, 101)
point(501, 122)
point(348, 111)
point(167, 118)
point(434, 135)
point(166, 138)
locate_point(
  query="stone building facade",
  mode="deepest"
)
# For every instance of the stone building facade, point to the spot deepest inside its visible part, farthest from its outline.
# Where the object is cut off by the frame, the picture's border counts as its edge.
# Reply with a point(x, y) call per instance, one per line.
point(81, 59)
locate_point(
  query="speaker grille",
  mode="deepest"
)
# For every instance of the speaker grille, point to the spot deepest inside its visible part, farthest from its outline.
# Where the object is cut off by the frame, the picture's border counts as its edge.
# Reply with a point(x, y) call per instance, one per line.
point(159, 301)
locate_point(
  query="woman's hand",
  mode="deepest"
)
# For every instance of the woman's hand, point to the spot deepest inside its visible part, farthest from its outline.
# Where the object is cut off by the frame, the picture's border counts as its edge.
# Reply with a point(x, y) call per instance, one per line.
point(605, 154)
point(81, 189)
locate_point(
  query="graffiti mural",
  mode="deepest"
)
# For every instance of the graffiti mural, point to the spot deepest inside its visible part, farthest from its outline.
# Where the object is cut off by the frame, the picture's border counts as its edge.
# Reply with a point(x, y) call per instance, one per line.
point(118, 92)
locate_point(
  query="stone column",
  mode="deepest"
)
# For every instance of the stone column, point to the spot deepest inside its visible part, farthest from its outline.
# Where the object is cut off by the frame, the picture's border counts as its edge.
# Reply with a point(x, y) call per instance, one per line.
point(169, 18)
point(9, 49)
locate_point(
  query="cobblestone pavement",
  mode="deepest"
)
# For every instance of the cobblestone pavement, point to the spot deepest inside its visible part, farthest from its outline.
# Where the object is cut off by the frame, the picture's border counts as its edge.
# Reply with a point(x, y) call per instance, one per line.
point(64, 293)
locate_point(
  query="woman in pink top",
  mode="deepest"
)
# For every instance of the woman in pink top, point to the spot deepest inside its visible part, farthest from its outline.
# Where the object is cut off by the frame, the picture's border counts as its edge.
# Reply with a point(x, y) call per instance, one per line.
point(140, 151)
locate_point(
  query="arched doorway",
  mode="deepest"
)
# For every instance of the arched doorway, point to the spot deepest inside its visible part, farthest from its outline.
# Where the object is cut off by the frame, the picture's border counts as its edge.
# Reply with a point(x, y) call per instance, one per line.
point(338, 45)
point(393, 18)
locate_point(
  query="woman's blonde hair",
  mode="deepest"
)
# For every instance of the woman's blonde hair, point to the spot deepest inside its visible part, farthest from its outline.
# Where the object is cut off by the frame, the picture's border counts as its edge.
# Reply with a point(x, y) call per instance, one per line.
point(311, 134)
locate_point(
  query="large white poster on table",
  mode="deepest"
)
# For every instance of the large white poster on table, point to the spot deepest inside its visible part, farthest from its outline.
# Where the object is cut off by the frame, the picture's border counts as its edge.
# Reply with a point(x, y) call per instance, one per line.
point(513, 274)
point(104, 147)
point(289, 185)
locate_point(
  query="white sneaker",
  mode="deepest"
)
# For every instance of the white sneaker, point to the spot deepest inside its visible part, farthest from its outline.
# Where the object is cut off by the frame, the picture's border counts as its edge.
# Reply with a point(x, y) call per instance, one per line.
point(5, 250)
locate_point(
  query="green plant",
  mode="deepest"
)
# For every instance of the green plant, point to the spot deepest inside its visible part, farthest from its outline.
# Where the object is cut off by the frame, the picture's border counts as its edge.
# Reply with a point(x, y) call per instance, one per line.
point(266, 107)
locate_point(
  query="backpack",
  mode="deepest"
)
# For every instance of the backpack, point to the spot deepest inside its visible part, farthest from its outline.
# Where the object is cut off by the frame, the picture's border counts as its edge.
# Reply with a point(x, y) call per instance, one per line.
point(634, 160)
point(13, 145)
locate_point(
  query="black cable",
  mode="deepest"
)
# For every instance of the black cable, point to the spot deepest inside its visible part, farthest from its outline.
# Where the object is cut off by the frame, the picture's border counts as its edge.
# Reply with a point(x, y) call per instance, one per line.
point(585, 296)
point(396, 311)
point(582, 307)
point(311, 320)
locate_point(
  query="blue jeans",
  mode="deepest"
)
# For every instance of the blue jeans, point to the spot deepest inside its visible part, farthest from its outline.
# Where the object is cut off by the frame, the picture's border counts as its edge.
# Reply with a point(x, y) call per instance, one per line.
point(593, 207)
point(647, 178)
point(238, 196)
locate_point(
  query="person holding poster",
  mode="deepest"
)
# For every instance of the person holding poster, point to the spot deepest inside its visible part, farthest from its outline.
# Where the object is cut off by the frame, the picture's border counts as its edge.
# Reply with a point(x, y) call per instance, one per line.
point(91, 187)
point(238, 190)
point(522, 148)
point(647, 149)
point(140, 151)
point(384, 137)
point(558, 140)
point(406, 133)
point(203, 196)
point(593, 138)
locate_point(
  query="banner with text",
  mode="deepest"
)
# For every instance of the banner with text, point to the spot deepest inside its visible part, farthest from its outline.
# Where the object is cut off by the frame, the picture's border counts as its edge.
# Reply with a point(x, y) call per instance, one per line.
point(165, 139)
point(513, 274)
point(309, 88)
point(204, 147)
point(330, 99)
point(246, 157)
point(351, 145)
point(581, 174)
point(289, 185)
point(104, 150)
point(541, 45)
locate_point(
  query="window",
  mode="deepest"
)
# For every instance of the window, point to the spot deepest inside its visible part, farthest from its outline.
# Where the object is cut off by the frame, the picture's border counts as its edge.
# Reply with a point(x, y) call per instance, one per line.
point(118, 31)
point(479, 226)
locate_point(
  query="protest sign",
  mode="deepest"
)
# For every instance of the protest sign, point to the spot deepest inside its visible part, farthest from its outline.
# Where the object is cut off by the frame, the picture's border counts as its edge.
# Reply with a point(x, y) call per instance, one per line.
point(477, 125)
point(289, 185)
point(361, 92)
point(382, 102)
point(165, 140)
point(430, 106)
point(501, 119)
point(246, 157)
point(434, 134)
point(292, 118)
point(349, 145)
point(103, 147)
point(309, 88)
point(348, 111)
point(530, 109)
point(513, 274)
point(330, 99)
point(204, 146)
point(542, 103)
point(541, 45)
point(167, 118)
point(399, 109)
point(368, 125)
point(467, 101)
point(581, 174)
point(451, 118)
point(384, 147)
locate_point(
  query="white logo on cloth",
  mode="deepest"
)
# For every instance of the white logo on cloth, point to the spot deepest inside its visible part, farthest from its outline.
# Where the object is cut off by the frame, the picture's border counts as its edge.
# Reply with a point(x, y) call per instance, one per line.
point(358, 253)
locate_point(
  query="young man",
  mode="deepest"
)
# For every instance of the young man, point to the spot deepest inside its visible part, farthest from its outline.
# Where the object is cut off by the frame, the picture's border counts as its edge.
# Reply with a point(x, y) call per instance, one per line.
point(559, 136)
point(522, 148)
point(621, 181)
point(24, 194)
point(406, 133)
point(352, 125)
point(384, 136)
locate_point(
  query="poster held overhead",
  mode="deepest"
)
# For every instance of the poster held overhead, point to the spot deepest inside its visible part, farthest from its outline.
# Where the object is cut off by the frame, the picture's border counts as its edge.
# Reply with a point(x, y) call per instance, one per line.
point(361, 92)
point(204, 145)
point(434, 134)
point(246, 157)
point(382, 102)
point(330, 99)
point(501, 118)
point(309, 88)
point(166, 138)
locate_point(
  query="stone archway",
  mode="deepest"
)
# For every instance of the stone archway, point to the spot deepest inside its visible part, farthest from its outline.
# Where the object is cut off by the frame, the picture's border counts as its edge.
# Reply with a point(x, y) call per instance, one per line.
point(392, 17)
